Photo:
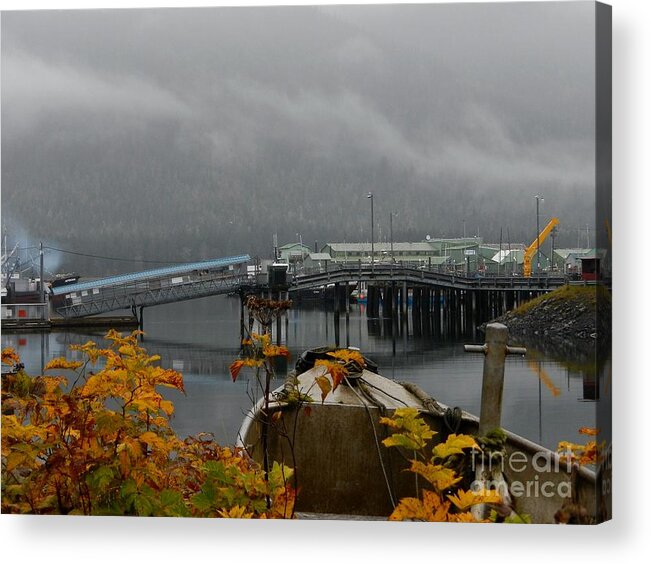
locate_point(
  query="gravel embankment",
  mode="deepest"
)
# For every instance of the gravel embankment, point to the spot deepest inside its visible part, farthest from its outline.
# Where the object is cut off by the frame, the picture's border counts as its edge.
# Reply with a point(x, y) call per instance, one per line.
point(571, 317)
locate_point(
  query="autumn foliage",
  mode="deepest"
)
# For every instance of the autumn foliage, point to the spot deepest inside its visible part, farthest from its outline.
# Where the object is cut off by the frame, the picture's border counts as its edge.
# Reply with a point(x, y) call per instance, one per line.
point(582, 454)
point(93, 437)
point(443, 498)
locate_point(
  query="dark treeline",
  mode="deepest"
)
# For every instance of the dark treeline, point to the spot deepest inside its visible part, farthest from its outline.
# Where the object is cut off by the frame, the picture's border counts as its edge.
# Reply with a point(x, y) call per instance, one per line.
point(192, 134)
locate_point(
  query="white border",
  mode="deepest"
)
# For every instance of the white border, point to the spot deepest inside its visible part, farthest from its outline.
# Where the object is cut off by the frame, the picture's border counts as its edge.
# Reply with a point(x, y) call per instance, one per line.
point(85, 540)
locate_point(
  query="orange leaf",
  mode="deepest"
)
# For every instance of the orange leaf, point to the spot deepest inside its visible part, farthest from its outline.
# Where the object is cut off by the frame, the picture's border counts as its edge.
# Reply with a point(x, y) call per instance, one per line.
point(337, 371)
point(591, 431)
point(237, 365)
point(10, 356)
point(274, 350)
point(325, 385)
point(235, 368)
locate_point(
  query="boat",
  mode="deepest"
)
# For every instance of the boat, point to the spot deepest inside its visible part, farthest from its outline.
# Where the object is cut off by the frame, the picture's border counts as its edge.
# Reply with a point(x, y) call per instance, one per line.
point(342, 468)
point(64, 279)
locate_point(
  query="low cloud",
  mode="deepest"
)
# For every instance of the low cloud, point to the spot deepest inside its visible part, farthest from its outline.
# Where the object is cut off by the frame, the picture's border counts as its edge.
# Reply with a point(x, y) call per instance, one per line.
point(33, 88)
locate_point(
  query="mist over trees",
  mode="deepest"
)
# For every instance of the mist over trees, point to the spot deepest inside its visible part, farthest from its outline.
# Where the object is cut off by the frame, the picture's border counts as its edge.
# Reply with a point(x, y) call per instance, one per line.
point(185, 134)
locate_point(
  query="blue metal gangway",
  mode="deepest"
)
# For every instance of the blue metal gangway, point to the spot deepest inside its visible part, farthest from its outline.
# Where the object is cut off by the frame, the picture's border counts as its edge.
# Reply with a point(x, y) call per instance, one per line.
point(151, 287)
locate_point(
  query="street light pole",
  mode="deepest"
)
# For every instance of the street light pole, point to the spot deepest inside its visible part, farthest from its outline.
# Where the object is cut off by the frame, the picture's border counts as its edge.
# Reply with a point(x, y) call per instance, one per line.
point(41, 285)
point(300, 242)
point(538, 200)
point(391, 235)
point(370, 195)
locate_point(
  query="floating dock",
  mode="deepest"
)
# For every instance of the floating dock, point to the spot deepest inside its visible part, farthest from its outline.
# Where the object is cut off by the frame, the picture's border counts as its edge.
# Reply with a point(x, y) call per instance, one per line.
point(60, 323)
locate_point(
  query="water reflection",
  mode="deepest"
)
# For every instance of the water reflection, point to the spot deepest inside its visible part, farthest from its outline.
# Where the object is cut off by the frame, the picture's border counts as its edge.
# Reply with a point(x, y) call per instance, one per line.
point(548, 395)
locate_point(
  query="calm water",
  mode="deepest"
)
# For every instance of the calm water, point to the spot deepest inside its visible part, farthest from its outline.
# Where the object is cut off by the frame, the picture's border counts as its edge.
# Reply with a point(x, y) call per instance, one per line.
point(545, 399)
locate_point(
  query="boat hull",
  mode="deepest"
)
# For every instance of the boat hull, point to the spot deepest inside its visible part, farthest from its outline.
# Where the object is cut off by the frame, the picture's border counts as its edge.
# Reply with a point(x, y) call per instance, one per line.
point(342, 467)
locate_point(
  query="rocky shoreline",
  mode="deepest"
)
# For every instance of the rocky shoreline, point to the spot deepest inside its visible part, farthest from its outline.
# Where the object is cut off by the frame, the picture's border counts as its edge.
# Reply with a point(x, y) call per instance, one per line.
point(570, 319)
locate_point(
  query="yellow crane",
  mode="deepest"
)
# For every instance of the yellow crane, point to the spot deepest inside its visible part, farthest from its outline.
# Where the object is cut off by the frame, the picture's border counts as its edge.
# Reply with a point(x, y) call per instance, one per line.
point(530, 251)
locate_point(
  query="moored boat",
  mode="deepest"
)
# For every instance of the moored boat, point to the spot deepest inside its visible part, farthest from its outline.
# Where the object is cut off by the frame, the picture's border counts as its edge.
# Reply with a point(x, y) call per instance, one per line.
point(342, 467)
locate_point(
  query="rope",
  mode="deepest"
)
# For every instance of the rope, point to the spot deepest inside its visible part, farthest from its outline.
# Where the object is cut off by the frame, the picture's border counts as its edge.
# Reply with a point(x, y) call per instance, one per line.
point(377, 442)
point(364, 391)
point(429, 403)
point(452, 418)
point(384, 392)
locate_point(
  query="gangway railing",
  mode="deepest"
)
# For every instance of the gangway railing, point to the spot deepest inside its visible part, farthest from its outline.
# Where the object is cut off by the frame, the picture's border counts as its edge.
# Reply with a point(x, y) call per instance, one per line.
point(154, 287)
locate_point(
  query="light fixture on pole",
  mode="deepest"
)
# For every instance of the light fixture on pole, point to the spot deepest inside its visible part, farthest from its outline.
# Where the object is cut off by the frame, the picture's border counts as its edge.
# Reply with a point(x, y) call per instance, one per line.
point(391, 214)
point(370, 195)
point(538, 200)
point(299, 236)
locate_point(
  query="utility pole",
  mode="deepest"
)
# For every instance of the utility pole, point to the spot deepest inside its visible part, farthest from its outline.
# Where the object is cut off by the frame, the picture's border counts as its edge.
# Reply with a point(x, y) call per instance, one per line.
point(499, 262)
point(538, 200)
point(370, 196)
point(41, 283)
point(391, 235)
point(553, 235)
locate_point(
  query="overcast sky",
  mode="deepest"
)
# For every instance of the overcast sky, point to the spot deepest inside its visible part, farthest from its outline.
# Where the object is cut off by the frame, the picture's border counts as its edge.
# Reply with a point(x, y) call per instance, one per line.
point(112, 119)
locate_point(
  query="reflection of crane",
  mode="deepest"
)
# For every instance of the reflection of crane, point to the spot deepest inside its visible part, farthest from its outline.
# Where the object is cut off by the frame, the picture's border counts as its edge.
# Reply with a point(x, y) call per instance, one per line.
point(531, 249)
point(544, 377)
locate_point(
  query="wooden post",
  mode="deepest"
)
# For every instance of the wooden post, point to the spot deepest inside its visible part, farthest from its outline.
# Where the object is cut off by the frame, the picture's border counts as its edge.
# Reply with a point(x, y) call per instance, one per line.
point(337, 298)
point(495, 350)
point(241, 317)
point(403, 301)
point(337, 328)
point(437, 311)
point(415, 309)
point(279, 325)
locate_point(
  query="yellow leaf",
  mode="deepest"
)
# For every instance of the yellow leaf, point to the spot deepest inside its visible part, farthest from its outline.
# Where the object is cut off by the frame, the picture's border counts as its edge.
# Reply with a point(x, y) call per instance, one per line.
point(439, 510)
point(261, 340)
point(465, 517)
point(415, 432)
point(167, 406)
point(347, 356)
point(589, 431)
point(431, 508)
point(62, 363)
point(454, 444)
point(440, 477)
point(463, 500)
point(236, 512)
point(409, 508)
